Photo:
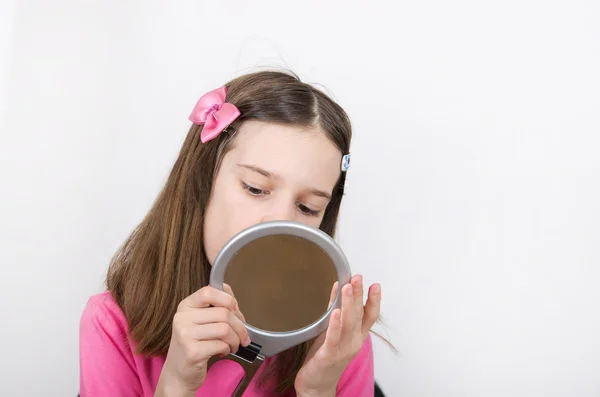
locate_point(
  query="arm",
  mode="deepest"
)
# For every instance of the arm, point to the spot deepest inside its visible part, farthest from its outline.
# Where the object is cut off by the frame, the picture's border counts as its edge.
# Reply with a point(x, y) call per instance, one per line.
point(107, 366)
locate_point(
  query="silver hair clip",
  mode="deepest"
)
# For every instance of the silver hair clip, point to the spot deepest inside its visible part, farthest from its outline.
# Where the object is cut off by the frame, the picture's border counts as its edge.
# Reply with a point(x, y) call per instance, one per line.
point(345, 162)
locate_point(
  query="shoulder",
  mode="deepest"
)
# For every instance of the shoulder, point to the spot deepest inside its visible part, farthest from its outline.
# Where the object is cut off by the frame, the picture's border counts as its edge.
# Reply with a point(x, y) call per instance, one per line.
point(108, 364)
point(104, 334)
point(102, 311)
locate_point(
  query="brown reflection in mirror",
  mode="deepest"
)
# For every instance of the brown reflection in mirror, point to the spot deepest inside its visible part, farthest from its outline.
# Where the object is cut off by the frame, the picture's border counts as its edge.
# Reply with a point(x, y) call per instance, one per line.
point(282, 282)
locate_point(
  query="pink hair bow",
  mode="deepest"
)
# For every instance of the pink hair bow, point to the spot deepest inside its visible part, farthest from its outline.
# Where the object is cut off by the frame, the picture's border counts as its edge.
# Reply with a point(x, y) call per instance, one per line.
point(214, 113)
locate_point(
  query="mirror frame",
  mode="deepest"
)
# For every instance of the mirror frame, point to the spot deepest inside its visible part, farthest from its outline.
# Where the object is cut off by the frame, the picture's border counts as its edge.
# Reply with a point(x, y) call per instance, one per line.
point(275, 342)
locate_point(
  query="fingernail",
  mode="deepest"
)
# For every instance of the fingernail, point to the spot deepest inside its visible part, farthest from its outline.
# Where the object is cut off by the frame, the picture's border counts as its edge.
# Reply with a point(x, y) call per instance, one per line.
point(247, 341)
point(349, 291)
point(358, 282)
point(236, 308)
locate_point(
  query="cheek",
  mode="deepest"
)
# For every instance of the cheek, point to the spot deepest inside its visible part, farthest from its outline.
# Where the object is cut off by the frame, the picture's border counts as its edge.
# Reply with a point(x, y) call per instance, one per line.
point(312, 221)
point(227, 214)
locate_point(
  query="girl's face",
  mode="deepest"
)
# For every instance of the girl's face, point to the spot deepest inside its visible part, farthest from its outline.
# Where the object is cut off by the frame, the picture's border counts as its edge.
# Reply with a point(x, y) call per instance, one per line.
point(273, 172)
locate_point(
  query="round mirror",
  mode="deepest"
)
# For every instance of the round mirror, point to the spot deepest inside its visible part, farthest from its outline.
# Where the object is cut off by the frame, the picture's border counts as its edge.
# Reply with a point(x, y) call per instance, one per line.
point(282, 282)
point(282, 274)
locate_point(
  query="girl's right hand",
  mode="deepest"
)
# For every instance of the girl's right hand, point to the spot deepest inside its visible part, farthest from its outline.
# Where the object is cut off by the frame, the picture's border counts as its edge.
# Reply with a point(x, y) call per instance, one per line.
point(207, 323)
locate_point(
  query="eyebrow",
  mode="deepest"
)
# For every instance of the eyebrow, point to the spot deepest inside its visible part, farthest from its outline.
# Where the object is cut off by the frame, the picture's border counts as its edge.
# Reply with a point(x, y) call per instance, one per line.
point(258, 169)
point(271, 175)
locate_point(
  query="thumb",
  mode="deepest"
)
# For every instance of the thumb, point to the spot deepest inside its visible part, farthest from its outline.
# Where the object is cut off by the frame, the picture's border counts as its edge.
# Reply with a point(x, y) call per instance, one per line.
point(227, 289)
point(333, 294)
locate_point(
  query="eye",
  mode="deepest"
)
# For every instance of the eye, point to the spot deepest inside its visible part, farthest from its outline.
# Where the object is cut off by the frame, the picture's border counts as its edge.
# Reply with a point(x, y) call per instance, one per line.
point(307, 211)
point(254, 191)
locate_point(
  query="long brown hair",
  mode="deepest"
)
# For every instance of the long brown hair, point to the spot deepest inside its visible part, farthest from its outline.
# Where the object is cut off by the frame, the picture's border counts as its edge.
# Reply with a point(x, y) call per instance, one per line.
point(163, 260)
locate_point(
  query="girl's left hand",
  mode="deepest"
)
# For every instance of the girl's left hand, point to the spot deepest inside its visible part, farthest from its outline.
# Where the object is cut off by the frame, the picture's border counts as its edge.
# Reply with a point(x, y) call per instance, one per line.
point(334, 349)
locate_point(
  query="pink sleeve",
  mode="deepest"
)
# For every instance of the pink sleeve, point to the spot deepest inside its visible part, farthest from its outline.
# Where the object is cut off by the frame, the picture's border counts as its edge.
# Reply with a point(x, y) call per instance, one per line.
point(358, 379)
point(106, 361)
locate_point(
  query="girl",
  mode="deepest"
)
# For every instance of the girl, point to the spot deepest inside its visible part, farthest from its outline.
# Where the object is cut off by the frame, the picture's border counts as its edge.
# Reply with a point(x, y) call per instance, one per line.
point(263, 147)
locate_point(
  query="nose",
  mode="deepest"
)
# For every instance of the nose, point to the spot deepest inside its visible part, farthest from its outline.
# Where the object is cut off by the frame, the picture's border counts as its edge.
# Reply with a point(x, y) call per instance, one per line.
point(280, 211)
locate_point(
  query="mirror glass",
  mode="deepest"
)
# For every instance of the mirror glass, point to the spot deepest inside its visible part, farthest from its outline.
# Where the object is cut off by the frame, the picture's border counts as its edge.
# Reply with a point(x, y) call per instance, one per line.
point(282, 282)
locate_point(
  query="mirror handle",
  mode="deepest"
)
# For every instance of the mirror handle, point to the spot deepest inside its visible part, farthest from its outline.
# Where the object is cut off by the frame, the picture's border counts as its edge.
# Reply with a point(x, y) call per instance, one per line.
point(249, 360)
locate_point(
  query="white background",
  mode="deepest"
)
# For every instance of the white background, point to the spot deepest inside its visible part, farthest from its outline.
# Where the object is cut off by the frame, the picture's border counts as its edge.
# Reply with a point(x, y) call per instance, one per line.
point(473, 195)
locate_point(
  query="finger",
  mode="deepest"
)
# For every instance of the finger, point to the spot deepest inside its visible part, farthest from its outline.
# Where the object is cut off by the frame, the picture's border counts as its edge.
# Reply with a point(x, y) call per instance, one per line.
point(216, 331)
point(239, 315)
point(210, 348)
point(334, 291)
point(357, 284)
point(210, 296)
point(372, 308)
point(334, 330)
point(227, 288)
point(348, 312)
point(221, 315)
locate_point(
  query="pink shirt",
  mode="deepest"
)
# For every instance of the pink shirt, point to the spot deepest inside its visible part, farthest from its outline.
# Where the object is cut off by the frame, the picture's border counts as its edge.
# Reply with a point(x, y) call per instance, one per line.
point(110, 368)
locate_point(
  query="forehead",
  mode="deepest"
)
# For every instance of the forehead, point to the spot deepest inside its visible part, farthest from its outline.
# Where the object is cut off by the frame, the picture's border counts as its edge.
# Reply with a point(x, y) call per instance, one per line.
point(298, 154)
